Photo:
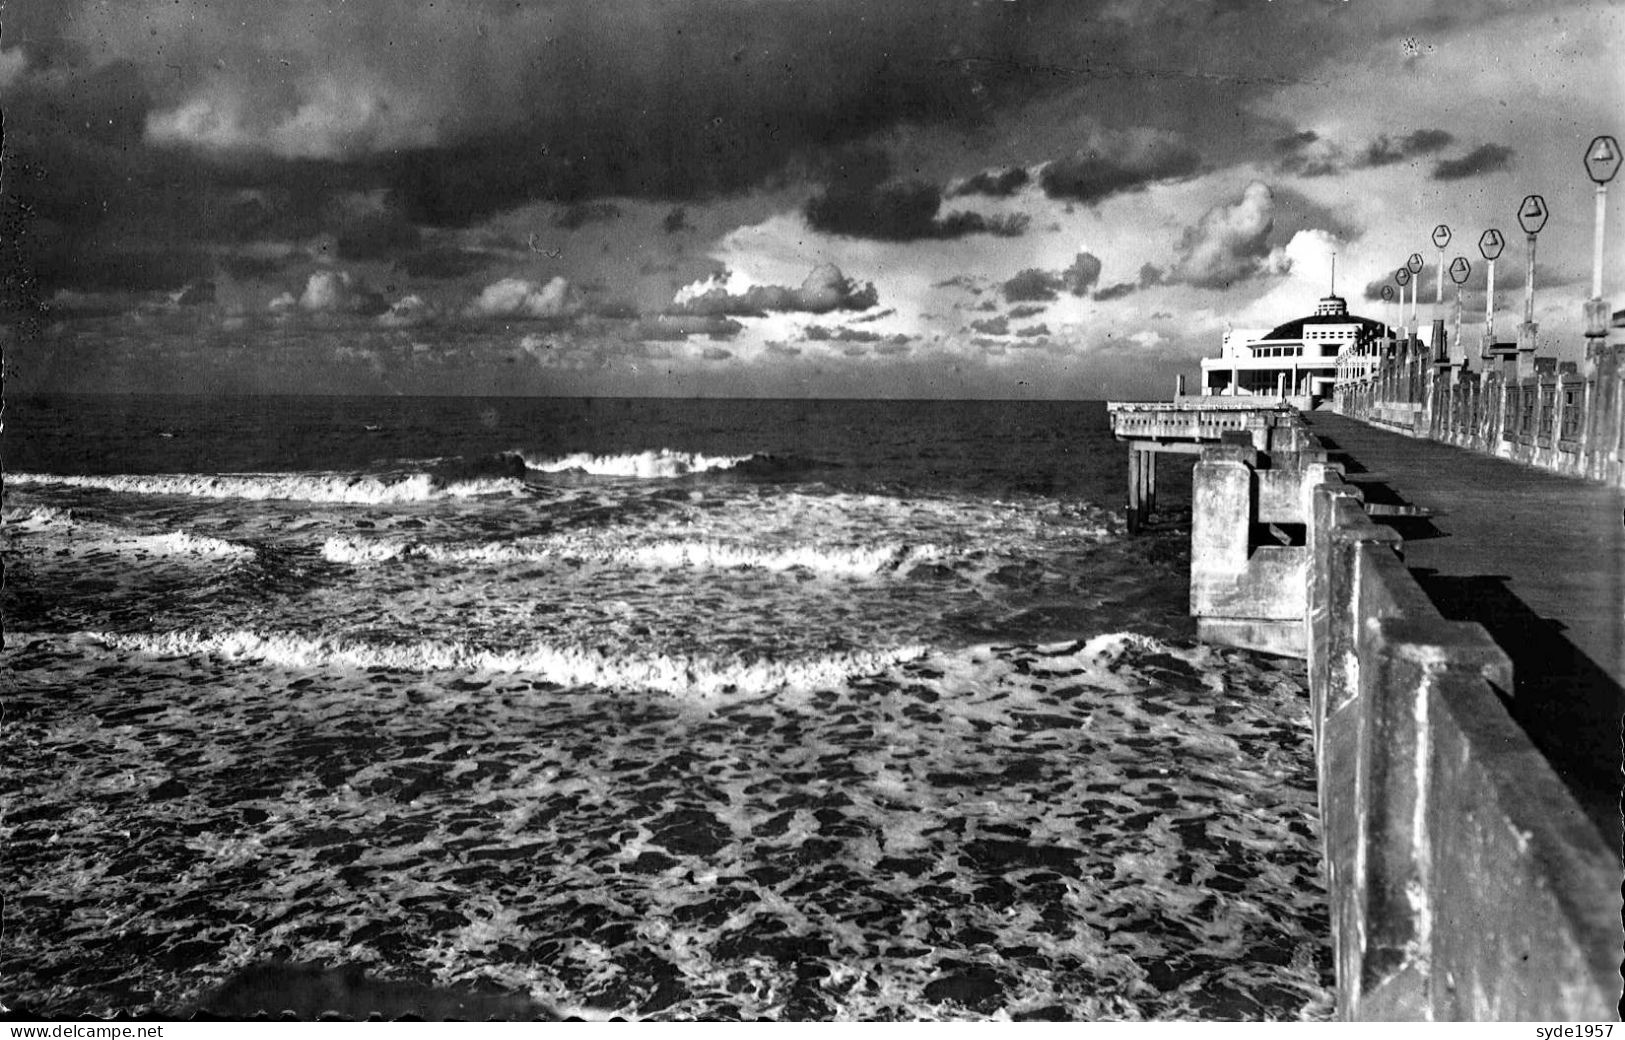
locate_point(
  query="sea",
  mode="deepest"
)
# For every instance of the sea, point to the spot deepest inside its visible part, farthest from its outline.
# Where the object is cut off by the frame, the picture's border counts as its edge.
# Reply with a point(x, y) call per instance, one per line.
point(646, 709)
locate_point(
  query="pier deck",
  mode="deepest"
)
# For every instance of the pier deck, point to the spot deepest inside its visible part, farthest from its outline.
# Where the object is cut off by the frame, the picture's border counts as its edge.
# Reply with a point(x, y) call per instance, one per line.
point(1537, 559)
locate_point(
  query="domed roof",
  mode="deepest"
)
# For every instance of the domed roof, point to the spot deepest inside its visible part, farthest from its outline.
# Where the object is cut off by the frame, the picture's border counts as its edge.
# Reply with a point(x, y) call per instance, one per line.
point(1333, 310)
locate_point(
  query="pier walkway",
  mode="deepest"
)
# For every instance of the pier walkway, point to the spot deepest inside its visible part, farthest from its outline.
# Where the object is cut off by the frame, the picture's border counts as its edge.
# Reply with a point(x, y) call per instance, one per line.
point(1538, 559)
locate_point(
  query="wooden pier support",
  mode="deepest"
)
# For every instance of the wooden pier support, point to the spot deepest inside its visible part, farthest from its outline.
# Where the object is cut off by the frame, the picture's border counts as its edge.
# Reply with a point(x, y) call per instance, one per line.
point(1142, 487)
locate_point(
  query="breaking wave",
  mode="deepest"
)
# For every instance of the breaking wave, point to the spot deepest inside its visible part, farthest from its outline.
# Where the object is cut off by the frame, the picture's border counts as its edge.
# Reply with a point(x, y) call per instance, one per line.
point(79, 537)
point(690, 676)
point(647, 464)
point(300, 487)
point(837, 561)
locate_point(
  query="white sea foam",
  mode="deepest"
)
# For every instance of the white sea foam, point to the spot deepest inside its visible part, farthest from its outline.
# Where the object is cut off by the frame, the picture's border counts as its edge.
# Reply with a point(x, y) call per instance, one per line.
point(37, 518)
point(692, 676)
point(836, 561)
point(648, 464)
point(302, 487)
point(66, 533)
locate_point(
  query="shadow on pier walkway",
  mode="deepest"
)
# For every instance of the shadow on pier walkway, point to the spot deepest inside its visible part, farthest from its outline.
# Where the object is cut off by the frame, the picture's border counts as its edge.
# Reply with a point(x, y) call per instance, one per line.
point(1539, 561)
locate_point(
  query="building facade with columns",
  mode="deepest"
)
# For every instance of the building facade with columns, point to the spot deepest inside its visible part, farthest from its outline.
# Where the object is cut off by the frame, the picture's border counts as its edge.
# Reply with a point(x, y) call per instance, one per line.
point(1300, 359)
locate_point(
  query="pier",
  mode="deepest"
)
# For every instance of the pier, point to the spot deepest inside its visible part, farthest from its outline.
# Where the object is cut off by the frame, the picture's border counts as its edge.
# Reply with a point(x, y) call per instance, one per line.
point(1445, 550)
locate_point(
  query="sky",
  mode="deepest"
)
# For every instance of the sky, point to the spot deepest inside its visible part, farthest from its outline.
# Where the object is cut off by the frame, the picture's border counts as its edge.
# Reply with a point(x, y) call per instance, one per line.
point(779, 198)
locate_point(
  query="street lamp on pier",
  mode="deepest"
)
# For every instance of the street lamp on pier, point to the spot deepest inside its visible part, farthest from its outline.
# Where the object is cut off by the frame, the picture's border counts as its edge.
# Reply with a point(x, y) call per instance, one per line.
point(1532, 216)
point(1459, 270)
point(1490, 244)
point(1414, 265)
point(1388, 298)
point(1403, 278)
point(1441, 238)
point(1602, 162)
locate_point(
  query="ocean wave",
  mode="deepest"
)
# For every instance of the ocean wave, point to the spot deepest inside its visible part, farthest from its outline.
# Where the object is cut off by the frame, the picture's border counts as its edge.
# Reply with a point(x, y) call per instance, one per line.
point(300, 487)
point(684, 676)
point(647, 464)
point(837, 561)
point(37, 518)
point(78, 537)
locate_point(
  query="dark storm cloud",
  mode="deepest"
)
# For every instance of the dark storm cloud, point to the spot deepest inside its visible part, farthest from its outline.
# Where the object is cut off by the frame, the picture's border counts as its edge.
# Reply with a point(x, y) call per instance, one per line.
point(998, 326)
point(448, 262)
point(167, 124)
point(1115, 291)
point(1385, 151)
point(1033, 284)
point(862, 200)
point(1084, 273)
point(1119, 161)
point(377, 236)
point(1486, 158)
point(845, 334)
point(1150, 274)
point(1294, 142)
point(997, 183)
point(1306, 154)
point(583, 213)
point(1026, 310)
point(675, 221)
point(162, 126)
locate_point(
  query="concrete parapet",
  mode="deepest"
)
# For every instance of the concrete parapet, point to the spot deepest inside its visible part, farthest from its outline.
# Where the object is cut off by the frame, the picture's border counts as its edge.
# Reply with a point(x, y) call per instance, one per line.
point(1565, 418)
point(1248, 557)
point(1464, 883)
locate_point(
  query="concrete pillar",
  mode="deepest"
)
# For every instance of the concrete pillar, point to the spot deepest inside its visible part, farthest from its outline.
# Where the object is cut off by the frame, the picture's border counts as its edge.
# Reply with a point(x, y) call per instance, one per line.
point(1150, 471)
point(1527, 334)
point(1221, 508)
point(1134, 463)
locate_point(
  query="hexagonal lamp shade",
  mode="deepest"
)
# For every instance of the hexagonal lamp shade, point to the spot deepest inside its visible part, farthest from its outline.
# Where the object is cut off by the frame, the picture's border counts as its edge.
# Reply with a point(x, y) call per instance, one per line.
point(1532, 214)
point(1602, 159)
point(1441, 235)
point(1403, 276)
point(1460, 269)
point(1490, 243)
point(1415, 263)
point(1388, 293)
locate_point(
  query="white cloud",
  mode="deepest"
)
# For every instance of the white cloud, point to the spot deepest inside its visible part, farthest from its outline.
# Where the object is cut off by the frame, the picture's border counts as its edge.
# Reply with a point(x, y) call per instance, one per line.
point(521, 298)
point(408, 311)
point(1231, 242)
point(333, 118)
point(13, 63)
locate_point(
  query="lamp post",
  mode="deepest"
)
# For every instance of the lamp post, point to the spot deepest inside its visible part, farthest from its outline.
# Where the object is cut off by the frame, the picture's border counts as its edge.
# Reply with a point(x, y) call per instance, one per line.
point(1602, 162)
point(1441, 238)
point(1532, 216)
point(1388, 298)
point(1402, 278)
point(1490, 244)
point(1459, 270)
point(1414, 265)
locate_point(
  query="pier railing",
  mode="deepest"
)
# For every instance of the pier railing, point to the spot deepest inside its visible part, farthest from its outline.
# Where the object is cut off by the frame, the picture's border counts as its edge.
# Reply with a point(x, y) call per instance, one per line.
point(1464, 881)
point(1568, 417)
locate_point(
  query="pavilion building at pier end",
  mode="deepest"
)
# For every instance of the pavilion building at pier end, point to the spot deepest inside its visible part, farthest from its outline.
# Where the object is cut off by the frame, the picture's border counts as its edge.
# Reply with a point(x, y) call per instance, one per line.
point(1299, 361)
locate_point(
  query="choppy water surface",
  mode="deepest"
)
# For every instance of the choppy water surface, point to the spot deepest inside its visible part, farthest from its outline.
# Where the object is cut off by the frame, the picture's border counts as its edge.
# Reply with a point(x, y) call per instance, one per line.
point(660, 709)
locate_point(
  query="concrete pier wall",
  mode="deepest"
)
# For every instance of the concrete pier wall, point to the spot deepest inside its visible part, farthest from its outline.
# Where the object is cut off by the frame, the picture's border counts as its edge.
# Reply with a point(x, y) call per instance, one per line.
point(1464, 883)
point(1565, 417)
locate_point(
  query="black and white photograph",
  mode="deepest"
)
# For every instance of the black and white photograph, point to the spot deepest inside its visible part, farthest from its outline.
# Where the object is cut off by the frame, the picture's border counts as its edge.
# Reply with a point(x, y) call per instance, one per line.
point(811, 511)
